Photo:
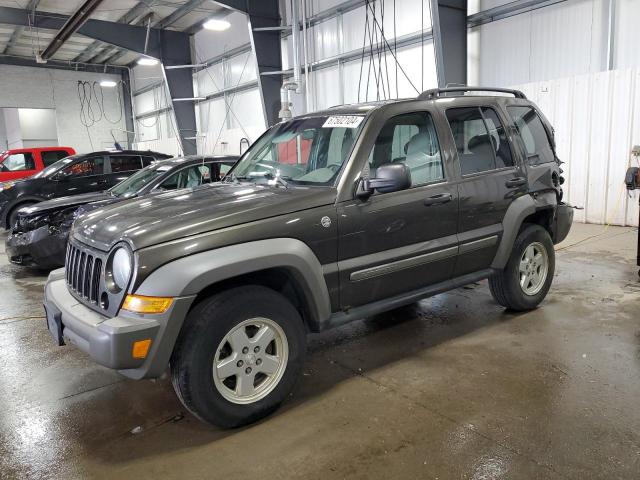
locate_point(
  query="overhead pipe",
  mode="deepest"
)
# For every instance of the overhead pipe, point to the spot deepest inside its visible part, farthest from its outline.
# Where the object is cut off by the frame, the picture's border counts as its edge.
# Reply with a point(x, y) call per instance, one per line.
point(295, 42)
point(71, 26)
point(292, 86)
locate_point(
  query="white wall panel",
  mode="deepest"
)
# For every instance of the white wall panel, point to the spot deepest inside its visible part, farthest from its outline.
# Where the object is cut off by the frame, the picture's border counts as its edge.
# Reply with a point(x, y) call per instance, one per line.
point(324, 40)
point(597, 122)
point(145, 102)
point(324, 85)
point(209, 80)
point(242, 69)
point(626, 51)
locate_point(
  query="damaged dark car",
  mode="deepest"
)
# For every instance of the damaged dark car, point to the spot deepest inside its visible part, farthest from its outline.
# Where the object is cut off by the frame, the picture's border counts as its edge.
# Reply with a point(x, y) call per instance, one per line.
point(39, 237)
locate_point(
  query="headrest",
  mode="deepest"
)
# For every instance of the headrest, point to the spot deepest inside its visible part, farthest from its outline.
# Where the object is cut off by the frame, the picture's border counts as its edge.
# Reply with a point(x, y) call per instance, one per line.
point(481, 141)
point(419, 143)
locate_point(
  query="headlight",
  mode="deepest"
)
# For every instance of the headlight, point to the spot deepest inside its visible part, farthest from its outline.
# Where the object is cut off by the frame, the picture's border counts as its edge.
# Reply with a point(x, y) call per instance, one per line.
point(119, 270)
point(6, 186)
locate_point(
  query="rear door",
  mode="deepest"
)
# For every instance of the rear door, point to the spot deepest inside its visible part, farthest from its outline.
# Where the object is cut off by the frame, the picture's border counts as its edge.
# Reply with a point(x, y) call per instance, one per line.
point(122, 166)
point(490, 179)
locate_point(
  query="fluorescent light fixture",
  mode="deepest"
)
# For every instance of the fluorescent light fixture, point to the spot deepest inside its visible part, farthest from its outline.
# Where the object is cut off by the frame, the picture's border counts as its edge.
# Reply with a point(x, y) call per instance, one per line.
point(147, 61)
point(216, 24)
point(108, 83)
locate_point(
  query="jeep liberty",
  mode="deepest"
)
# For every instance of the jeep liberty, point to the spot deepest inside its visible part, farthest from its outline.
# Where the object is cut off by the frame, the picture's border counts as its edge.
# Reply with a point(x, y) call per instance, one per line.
point(329, 217)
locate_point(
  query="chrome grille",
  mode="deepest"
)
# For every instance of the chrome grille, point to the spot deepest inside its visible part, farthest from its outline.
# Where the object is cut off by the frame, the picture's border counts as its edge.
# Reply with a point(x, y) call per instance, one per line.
point(83, 273)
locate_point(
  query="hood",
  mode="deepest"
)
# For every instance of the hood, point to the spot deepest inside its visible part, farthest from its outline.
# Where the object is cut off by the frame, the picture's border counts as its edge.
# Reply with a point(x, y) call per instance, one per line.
point(156, 219)
point(62, 203)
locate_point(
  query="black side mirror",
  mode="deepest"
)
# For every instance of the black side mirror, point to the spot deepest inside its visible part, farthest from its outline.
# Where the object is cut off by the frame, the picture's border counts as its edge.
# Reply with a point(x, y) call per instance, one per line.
point(390, 177)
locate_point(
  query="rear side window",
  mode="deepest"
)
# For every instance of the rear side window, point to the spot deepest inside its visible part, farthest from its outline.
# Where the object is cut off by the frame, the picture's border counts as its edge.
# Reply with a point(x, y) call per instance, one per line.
point(18, 162)
point(533, 135)
point(480, 139)
point(191, 177)
point(52, 156)
point(125, 163)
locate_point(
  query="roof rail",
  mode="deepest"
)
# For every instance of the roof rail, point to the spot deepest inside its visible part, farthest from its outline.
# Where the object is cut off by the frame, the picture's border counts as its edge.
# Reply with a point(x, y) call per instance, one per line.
point(441, 92)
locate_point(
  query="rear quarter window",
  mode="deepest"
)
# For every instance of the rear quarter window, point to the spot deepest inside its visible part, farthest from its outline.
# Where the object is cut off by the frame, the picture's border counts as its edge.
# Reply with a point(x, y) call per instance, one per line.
point(533, 135)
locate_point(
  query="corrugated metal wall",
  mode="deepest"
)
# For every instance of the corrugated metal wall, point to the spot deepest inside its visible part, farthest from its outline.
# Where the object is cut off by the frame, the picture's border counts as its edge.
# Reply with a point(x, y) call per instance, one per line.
point(597, 122)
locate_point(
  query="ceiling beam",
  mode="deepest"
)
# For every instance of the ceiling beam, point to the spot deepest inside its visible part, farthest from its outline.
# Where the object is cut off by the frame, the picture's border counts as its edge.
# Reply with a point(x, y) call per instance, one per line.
point(163, 23)
point(139, 9)
point(179, 13)
point(17, 33)
point(109, 50)
point(130, 37)
point(71, 26)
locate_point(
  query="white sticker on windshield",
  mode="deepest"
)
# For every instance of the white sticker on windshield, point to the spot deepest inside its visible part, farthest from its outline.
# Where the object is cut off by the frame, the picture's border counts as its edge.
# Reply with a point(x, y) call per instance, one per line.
point(344, 121)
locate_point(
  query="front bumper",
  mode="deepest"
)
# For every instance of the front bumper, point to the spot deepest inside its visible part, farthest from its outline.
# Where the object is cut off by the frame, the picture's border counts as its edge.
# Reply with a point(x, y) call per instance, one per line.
point(109, 341)
point(42, 247)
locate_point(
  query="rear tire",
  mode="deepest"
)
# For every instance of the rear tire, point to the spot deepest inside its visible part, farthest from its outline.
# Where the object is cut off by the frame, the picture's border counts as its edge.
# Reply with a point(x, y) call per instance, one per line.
point(238, 356)
point(527, 277)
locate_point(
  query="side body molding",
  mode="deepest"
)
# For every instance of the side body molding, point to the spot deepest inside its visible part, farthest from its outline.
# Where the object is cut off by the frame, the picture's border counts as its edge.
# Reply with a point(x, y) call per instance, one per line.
point(190, 275)
point(519, 209)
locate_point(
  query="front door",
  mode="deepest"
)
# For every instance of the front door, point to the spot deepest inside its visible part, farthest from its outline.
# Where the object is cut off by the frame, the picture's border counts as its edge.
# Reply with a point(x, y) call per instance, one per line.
point(397, 242)
point(84, 176)
point(490, 180)
point(17, 165)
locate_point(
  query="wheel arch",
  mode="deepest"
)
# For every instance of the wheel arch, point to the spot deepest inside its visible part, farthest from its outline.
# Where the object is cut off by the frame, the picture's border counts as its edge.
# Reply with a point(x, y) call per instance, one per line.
point(285, 265)
point(16, 204)
point(538, 209)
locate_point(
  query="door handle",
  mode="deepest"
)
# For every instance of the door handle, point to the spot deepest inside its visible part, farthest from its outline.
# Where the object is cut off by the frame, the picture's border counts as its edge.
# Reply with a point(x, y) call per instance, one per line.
point(516, 182)
point(438, 199)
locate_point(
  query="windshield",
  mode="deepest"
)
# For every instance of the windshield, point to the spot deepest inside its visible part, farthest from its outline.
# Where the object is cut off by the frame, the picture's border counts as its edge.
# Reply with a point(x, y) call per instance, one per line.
point(132, 185)
point(308, 151)
point(51, 169)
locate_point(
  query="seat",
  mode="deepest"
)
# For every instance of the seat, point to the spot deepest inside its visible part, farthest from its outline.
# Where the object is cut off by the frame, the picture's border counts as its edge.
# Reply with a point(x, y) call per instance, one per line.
point(481, 158)
point(424, 167)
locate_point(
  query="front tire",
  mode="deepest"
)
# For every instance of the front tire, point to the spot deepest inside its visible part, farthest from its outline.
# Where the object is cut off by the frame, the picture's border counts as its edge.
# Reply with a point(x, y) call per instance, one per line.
point(525, 280)
point(238, 356)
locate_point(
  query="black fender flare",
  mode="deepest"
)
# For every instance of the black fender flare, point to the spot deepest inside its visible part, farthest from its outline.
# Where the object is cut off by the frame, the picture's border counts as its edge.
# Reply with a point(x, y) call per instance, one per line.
point(190, 275)
point(519, 209)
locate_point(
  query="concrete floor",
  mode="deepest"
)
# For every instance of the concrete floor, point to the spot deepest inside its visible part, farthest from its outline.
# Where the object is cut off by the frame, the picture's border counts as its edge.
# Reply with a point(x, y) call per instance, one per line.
point(451, 387)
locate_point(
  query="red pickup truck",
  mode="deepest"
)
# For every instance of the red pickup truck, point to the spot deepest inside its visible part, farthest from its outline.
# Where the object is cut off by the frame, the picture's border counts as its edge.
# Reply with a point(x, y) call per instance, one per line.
point(24, 162)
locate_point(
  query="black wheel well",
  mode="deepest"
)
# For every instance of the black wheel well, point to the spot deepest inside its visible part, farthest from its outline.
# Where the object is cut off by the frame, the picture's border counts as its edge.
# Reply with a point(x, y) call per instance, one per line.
point(542, 217)
point(281, 280)
point(17, 206)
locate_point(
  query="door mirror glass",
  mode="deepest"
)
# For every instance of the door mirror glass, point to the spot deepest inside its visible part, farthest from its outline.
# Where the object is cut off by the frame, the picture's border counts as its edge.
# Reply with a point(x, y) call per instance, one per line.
point(390, 177)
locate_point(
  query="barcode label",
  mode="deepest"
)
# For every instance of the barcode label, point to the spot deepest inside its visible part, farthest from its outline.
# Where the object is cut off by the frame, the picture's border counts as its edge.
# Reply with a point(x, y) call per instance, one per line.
point(344, 121)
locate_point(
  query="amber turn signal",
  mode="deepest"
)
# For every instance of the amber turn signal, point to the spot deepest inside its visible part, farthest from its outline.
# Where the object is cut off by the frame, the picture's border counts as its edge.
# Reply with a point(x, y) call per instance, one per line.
point(142, 304)
point(141, 348)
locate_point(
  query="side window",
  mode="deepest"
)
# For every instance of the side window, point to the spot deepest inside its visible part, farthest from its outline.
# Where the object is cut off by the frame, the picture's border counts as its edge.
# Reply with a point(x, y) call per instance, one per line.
point(499, 138)
point(19, 162)
point(146, 161)
point(188, 178)
point(125, 163)
point(533, 134)
point(410, 139)
point(52, 156)
point(85, 168)
point(480, 139)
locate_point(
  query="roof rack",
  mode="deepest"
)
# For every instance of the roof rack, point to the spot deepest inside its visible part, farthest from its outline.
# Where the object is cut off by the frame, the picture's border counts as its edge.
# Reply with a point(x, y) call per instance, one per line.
point(441, 92)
